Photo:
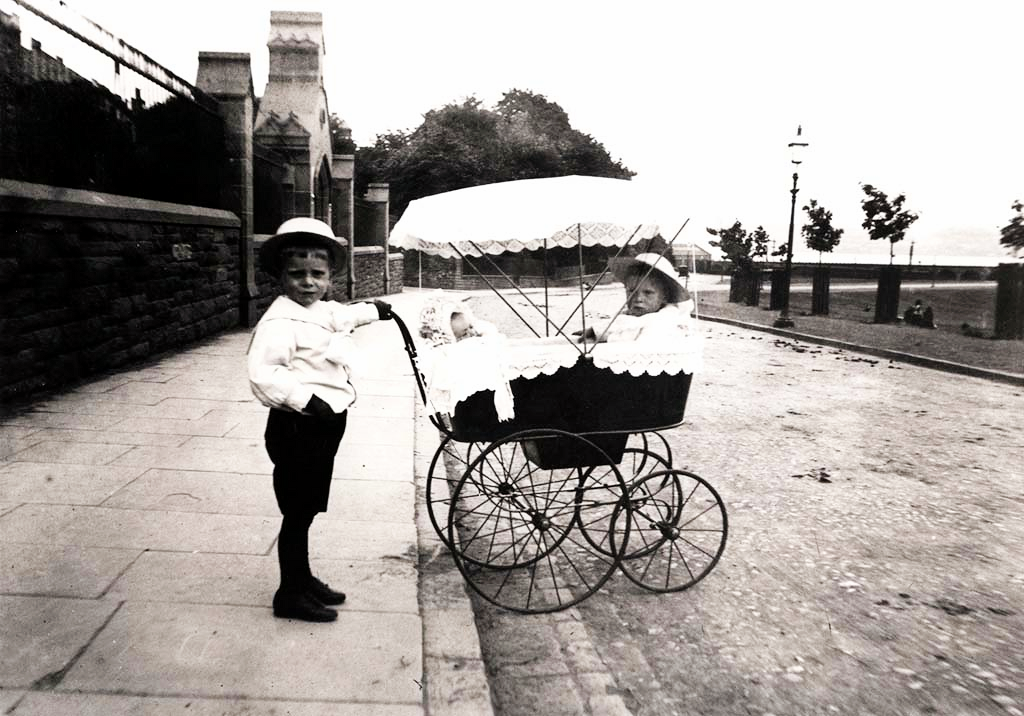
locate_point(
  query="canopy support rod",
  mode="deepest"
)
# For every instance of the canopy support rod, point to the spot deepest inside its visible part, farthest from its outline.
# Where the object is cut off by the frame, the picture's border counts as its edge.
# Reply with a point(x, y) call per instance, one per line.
point(597, 283)
point(513, 284)
point(494, 289)
point(579, 253)
point(547, 309)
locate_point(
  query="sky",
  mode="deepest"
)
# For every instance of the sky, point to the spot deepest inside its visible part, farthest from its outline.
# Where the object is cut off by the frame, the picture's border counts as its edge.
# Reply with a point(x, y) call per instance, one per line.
point(700, 99)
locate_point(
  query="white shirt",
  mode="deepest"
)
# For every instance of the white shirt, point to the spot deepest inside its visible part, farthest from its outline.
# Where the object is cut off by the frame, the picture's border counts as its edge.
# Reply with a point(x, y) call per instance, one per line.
point(297, 352)
point(666, 322)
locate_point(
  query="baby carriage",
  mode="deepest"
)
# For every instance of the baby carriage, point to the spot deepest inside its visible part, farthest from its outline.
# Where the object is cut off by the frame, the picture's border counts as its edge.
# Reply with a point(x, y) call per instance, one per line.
point(540, 509)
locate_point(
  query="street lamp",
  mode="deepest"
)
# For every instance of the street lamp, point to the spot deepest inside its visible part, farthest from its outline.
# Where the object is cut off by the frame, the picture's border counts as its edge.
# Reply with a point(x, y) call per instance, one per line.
point(796, 150)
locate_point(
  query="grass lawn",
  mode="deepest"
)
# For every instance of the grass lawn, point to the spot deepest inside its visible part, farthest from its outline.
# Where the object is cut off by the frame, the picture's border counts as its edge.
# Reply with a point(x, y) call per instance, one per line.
point(852, 311)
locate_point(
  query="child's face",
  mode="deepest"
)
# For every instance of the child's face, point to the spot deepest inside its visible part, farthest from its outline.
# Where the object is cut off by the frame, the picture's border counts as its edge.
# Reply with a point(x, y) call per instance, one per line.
point(460, 326)
point(646, 296)
point(306, 277)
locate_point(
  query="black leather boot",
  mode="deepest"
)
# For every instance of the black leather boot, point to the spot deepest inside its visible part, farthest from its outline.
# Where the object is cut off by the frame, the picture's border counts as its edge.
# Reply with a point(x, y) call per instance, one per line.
point(324, 594)
point(301, 605)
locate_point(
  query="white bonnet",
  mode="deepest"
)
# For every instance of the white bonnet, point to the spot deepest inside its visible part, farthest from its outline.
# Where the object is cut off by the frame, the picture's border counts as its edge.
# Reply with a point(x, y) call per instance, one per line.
point(436, 318)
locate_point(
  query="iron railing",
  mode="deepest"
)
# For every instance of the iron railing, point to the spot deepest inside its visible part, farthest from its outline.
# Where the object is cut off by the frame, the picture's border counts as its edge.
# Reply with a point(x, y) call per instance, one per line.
point(81, 108)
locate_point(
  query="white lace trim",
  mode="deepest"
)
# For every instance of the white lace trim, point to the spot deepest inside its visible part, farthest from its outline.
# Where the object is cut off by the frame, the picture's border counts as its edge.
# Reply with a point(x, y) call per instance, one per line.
point(455, 372)
point(590, 235)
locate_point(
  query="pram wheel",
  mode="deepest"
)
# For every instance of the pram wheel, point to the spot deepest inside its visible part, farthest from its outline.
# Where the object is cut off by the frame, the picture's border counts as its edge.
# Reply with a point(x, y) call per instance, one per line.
point(451, 459)
point(513, 516)
point(602, 486)
point(678, 528)
point(658, 445)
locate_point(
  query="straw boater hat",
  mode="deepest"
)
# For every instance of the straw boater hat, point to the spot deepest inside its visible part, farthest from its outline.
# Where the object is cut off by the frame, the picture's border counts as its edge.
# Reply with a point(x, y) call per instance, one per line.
point(306, 231)
point(649, 264)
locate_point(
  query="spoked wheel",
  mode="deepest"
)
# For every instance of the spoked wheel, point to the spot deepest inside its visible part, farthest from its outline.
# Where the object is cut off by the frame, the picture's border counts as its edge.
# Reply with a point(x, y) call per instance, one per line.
point(513, 517)
point(602, 487)
point(655, 443)
point(449, 464)
point(678, 529)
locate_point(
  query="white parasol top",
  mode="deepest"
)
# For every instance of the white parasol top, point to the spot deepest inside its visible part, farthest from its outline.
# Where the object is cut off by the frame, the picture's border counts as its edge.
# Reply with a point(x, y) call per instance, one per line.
point(527, 214)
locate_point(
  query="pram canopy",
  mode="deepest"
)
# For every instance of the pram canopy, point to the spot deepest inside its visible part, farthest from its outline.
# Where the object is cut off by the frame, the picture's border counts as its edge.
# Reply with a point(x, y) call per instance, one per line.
point(527, 214)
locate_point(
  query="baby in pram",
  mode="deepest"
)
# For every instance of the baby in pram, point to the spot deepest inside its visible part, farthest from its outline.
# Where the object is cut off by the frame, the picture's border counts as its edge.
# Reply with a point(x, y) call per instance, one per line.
point(464, 356)
point(445, 320)
point(658, 305)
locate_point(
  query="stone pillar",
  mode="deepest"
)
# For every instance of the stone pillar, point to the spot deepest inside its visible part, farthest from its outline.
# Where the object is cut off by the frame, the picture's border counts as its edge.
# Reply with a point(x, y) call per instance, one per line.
point(378, 194)
point(343, 207)
point(1010, 301)
point(887, 298)
point(820, 290)
point(227, 77)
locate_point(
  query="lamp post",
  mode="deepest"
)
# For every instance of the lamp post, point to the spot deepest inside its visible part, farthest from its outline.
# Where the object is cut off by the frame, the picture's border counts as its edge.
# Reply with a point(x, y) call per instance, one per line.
point(796, 149)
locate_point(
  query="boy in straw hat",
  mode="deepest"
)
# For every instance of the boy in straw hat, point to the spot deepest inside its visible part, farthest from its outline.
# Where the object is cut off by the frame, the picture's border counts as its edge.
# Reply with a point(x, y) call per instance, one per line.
point(299, 362)
point(657, 302)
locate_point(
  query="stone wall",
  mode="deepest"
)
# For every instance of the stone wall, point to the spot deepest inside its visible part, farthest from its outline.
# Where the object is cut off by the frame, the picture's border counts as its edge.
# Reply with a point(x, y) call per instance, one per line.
point(420, 269)
point(369, 267)
point(90, 282)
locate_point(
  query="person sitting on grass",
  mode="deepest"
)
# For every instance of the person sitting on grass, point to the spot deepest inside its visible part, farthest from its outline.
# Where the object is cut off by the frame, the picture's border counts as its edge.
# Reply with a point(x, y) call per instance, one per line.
point(914, 315)
point(919, 315)
point(657, 303)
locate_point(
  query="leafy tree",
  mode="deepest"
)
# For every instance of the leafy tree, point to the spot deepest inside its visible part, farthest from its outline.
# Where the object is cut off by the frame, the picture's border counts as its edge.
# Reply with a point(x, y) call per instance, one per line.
point(1012, 235)
point(740, 247)
point(759, 243)
point(818, 232)
point(465, 144)
point(885, 219)
point(372, 162)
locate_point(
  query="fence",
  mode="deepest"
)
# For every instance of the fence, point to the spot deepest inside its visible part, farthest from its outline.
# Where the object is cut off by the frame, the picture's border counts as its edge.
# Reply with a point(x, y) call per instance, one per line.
point(81, 109)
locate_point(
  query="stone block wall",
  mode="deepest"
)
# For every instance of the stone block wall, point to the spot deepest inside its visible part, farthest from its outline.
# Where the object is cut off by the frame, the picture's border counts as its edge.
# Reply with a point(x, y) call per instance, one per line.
point(422, 269)
point(369, 269)
point(90, 282)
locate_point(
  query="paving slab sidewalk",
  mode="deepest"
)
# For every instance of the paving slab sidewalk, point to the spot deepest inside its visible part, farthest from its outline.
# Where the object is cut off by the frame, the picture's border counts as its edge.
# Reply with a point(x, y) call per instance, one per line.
point(138, 536)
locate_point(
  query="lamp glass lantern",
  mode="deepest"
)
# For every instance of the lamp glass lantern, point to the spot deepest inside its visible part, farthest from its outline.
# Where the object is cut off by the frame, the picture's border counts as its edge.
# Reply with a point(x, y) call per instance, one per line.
point(797, 147)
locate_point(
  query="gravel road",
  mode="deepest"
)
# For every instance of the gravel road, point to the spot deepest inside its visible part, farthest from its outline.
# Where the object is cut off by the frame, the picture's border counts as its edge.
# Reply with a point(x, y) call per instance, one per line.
point(874, 557)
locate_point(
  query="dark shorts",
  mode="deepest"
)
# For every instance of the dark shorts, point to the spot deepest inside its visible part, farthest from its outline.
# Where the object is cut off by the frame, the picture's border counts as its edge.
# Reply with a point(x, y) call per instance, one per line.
point(302, 448)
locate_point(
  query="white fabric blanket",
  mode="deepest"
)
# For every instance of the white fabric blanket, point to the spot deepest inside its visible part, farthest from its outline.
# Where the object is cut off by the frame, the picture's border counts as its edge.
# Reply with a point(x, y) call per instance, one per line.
point(456, 371)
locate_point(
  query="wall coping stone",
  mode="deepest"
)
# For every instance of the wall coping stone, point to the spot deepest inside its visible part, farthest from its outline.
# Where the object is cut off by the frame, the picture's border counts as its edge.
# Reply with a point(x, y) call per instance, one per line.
point(18, 197)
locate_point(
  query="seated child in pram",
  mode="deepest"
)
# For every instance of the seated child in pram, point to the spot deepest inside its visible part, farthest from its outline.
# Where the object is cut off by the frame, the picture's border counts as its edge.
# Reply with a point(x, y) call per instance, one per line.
point(658, 305)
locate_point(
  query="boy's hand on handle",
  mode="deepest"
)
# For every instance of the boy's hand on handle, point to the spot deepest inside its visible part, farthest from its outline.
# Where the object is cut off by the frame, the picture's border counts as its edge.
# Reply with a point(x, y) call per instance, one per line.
point(318, 406)
point(383, 310)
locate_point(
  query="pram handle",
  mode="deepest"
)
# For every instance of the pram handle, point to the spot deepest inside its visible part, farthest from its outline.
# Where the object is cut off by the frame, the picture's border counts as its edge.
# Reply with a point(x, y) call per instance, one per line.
point(410, 349)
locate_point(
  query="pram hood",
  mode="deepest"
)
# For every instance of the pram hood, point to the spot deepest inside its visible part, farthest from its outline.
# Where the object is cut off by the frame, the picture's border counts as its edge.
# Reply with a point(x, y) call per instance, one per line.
point(527, 214)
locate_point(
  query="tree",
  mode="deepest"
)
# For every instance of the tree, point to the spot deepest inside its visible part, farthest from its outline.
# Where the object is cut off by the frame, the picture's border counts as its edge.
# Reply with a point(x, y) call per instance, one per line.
point(740, 247)
point(885, 219)
point(759, 243)
point(1012, 235)
point(818, 232)
point(466, 144)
